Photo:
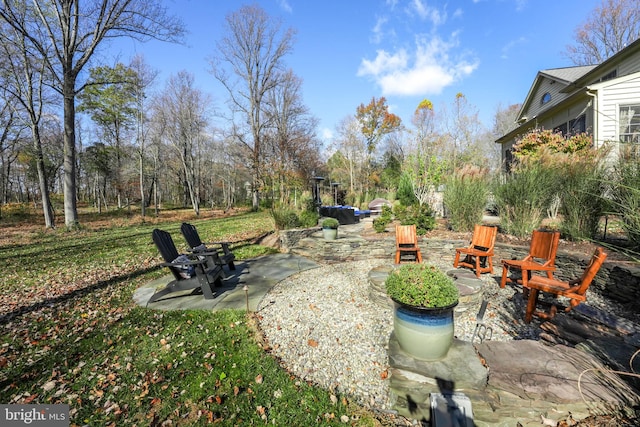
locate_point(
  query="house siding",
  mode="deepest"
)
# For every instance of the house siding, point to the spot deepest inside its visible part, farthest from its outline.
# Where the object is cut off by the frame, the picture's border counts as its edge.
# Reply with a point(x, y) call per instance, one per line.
point(612, 97)
point(599, 100)
point(547, 85)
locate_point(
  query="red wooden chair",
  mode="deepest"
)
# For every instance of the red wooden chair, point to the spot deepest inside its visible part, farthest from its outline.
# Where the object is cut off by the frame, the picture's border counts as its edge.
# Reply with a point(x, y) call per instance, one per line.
point(479, 254)
point(541, 257)
point(575, 290)
point(407, 242)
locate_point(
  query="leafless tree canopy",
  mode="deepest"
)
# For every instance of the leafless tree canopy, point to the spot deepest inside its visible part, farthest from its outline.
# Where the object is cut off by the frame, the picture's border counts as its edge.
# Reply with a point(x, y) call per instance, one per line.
point(248, 64)
point(608, 29)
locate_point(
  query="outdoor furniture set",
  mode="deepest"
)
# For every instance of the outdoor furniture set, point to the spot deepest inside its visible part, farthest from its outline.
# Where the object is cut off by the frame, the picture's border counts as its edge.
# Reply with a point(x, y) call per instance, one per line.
point(201, 269)
point(541, 258)
point(344, 214)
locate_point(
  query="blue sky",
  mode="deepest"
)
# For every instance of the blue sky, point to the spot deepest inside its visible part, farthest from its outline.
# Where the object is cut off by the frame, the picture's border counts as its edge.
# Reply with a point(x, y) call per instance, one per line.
point(348, 51)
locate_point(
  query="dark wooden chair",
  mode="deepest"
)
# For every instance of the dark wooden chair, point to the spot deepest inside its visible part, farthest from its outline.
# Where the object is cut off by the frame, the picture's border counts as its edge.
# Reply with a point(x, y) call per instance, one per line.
point(541, 257)
point(479, 253)
point(221, 255)
point(187, 273)
point(575, 290)
point(407, 243)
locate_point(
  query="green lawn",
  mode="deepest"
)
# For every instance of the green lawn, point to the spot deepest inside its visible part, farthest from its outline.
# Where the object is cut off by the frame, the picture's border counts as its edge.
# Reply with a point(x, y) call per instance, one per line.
point(70, 333)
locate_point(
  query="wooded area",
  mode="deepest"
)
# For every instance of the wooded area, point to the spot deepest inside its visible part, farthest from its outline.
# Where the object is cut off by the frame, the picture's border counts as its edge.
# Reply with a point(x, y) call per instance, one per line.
point(111, 136)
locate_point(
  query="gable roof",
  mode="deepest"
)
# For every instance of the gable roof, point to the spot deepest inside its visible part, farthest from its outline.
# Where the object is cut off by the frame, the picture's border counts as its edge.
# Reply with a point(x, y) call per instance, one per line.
point(565, 76)
point(575, 79)
point(568, 74)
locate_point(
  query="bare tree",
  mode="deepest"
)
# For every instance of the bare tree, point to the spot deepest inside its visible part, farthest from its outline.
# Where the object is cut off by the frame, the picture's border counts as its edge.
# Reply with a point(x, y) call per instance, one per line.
point(25, 80)
point(462, 132)
point(291, 147)
point(66, 34)
point(144, 78)
point(351, 153)
point(181, 112)
point(608, 29)
point(253, 48)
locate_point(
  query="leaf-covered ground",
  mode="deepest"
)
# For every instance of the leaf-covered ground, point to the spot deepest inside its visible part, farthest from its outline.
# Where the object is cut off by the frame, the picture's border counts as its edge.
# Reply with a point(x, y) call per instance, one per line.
point(70, 333)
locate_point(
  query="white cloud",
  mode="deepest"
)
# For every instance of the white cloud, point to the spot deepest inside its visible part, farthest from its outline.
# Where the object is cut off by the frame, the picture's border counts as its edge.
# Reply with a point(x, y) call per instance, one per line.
point(426, 71)
point(510, 46)
point(428, 13)
point(327, 134)
point(284, 4)
point(378, 30)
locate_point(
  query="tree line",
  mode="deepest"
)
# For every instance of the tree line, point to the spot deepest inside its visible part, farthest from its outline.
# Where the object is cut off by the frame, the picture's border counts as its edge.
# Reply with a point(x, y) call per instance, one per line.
point(133, 145)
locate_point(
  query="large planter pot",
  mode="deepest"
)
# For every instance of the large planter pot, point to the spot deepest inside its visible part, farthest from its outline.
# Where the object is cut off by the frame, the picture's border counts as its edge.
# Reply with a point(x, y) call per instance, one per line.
point(330, 233)
point(424, 333)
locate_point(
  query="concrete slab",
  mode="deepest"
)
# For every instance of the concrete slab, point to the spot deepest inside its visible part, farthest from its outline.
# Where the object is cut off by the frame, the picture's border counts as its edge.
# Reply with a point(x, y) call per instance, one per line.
point(258, 274)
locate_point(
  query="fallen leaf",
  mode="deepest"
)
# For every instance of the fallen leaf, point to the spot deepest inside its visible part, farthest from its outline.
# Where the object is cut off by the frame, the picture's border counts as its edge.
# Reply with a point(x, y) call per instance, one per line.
point(259, 379)
point(312, 343)
point(48, 386)
point(385, 374)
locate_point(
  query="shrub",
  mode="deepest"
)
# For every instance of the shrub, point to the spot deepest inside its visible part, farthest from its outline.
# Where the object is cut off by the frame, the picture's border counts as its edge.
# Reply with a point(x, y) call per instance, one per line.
point(405, 193)
point(466, 196)
point(309, 219)
point(524, 196)
point(581, 192)
point(386, 213)
point(285, 219)
point(422, 216)
point(330, 223)
point(625, 193)
point(380, 225)
point(421, 285)
point(386, 216)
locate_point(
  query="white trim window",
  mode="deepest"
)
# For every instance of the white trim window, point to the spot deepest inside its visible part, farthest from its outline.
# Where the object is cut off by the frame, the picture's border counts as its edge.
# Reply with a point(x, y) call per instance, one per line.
point(630, 124)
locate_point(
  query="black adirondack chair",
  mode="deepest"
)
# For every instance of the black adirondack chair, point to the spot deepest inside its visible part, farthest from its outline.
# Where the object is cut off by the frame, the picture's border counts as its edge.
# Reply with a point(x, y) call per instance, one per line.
point(193, 273)
point(221, 255)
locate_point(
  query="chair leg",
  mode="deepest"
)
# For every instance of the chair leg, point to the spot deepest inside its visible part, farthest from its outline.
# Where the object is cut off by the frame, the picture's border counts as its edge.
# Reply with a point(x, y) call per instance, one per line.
point(456, 260)
point(490, 261)
point(531, 304)
point(505, 273)
point(397, 257)
point(418, 256)
point(478, 271)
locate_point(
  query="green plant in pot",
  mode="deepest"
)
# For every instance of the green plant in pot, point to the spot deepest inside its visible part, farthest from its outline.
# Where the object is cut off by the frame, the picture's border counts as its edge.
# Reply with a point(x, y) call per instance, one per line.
point(424, 298)
point(330, 228)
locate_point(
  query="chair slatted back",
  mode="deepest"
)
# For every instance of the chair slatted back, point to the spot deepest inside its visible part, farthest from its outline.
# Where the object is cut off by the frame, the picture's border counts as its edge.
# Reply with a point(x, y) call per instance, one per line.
point(167, 249)
point(484, 237)
point(590, 272)
point(190, 235)
point(406, 235)
point(544, 245)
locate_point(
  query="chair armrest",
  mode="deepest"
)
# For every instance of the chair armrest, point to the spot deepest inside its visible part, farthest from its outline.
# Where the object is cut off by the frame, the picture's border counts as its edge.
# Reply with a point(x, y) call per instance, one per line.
point(176, 264)
point(526, 266)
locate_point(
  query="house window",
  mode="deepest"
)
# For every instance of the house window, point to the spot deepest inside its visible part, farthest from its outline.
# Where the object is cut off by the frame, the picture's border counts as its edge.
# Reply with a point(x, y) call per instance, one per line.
point(562, 129)
point(578, 125)
point(630, 124)
point(611, 75)
point(545, 98)
point(575, 126)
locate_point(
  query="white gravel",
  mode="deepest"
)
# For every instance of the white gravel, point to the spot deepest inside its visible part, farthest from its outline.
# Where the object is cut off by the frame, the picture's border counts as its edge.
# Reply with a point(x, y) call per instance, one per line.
point(325, 329)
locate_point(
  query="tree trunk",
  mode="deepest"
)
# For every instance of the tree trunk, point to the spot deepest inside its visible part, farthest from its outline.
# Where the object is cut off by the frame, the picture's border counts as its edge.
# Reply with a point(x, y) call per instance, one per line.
point(69, 163)
point(47, 209)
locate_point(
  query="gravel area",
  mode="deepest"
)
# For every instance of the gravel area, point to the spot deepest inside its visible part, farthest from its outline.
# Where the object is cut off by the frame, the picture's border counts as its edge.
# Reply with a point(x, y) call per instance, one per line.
point(325, 329)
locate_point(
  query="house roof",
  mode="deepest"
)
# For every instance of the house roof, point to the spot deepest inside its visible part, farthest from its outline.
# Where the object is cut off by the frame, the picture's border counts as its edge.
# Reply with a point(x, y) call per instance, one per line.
point(568, 74)
point(574, 78)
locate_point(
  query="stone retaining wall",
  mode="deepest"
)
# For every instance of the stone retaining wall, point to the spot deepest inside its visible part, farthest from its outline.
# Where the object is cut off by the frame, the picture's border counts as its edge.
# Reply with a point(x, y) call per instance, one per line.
point(619, 281)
